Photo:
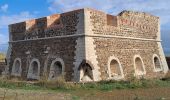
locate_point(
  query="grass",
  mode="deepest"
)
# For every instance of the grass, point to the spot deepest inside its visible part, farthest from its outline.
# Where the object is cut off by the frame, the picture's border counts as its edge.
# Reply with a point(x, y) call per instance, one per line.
point(2, 57)
point(111, 85)
point(75, 98)
point(19, 85)
point(99, 86)
point(134, 90)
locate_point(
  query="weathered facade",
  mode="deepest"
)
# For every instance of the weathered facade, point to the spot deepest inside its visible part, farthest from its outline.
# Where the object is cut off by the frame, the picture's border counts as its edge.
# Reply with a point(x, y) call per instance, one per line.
point(87, 45)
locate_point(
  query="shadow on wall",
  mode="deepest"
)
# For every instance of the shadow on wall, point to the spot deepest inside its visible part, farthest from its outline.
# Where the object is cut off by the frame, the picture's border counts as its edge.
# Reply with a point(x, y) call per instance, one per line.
point(168, 61)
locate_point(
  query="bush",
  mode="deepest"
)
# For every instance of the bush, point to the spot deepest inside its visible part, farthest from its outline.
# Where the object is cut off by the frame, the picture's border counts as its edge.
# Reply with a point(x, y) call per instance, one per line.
point(59, 83)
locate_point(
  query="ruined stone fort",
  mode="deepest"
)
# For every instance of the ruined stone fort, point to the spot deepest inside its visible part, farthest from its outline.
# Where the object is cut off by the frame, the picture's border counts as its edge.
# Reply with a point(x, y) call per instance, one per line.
point(87, 45)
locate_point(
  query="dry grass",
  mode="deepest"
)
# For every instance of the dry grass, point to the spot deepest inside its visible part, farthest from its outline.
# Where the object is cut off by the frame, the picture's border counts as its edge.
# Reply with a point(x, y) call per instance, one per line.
point(57, 83)
point(127, 94)
point(104, 90)
point(2, 57)
point(8, 94)
point(130, 94)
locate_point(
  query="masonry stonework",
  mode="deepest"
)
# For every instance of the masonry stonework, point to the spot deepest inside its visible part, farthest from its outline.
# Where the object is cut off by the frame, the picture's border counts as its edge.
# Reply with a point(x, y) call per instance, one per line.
point(87, 45)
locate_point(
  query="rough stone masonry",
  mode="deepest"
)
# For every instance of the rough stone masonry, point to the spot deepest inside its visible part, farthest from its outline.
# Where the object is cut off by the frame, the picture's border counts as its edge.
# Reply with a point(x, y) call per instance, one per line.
point(87, 45)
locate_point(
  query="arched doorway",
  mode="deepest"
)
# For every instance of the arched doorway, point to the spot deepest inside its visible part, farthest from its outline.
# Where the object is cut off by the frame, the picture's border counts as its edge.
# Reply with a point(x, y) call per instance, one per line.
point(34, 70)
point(16, 68)
point(56, 69)
point(139, 66)
point(86, 72)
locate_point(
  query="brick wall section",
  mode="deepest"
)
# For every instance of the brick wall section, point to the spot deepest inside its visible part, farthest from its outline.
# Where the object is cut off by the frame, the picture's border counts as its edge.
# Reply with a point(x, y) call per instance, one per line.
point(126, 24)
point(140, 25)
point(124, 50)
point(55, 25)
point(17, 31)
point(37, 42)
point(59, 48)
point(129, 24)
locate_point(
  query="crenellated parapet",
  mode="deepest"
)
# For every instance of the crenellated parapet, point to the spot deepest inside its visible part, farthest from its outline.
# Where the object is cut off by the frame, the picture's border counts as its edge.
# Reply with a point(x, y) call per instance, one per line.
point(140, 24)
point(125, 24)
point(50, 26)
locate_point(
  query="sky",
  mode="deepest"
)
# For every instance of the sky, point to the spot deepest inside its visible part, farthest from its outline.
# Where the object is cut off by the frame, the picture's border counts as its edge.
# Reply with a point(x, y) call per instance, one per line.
point(12, 11)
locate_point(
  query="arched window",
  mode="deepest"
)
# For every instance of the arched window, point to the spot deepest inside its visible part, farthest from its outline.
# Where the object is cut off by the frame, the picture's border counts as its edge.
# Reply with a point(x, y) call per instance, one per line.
point(86, 72)
point(157, 63)
point(56, 69)
point(115, 70)
point(16, 68)
point(34, 70)
point(139, 66)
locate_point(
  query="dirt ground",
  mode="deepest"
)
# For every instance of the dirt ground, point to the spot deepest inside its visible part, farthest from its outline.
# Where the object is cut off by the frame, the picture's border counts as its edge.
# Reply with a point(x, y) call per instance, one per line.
point(7, 94)
point(130, 94)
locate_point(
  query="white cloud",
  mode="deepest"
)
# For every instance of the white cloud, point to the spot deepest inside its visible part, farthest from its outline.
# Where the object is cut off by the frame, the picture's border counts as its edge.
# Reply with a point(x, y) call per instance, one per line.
point(6, 20)
point(3, 39)
point(4, 7)
point(159, 8)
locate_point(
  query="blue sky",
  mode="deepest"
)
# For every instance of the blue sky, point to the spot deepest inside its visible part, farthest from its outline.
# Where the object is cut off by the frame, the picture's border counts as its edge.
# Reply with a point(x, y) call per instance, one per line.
point(12, 11)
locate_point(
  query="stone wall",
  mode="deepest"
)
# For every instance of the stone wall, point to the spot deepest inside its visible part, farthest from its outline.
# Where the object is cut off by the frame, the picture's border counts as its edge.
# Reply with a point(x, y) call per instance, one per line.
point(126, 24)
point(46, 51)
point(125, 50)
point(123, 37)
point(44, 40)
point(17, 31)
point(139, 25)
point(50, 26)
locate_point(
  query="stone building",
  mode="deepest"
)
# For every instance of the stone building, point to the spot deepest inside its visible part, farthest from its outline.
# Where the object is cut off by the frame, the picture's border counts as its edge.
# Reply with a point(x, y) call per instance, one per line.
point(87, 45)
